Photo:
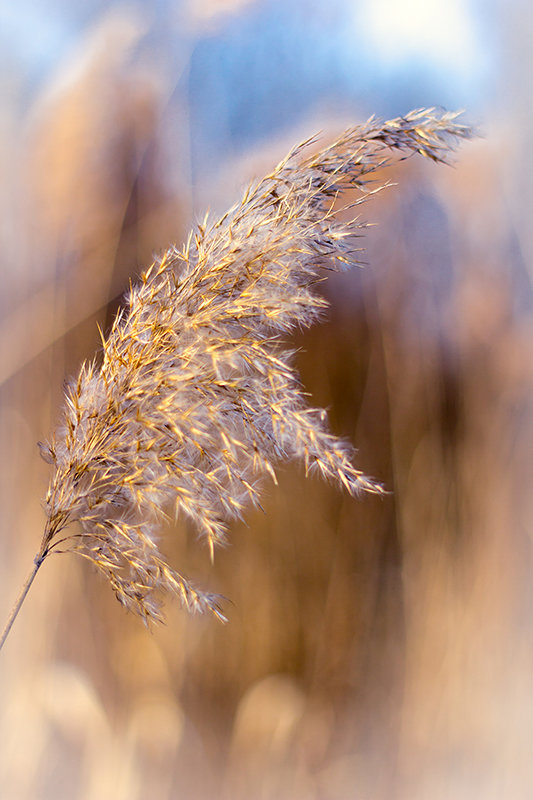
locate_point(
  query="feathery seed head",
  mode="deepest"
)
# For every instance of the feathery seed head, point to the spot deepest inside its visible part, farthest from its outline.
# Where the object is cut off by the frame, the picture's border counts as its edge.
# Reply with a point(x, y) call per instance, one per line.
point(196, 397)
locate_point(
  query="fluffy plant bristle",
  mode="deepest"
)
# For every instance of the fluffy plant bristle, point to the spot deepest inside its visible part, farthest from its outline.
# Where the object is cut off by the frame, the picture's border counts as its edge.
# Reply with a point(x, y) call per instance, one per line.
point(196, 397)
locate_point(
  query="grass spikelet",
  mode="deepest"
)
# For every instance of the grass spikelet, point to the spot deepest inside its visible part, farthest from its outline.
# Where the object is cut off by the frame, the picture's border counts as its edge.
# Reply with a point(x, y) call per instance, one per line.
point(195, 397)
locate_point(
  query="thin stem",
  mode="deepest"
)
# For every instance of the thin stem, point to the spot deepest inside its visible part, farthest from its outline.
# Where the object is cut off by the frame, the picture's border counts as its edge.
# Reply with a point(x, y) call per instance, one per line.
point(25, 589)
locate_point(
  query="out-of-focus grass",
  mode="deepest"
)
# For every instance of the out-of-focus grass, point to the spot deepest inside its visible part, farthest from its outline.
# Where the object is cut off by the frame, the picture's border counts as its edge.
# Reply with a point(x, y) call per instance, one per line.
point(375, 649)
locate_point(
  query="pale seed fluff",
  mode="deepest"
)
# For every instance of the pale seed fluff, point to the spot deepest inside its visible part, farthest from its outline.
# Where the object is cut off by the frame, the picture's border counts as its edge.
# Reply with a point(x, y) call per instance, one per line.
point(195, 397)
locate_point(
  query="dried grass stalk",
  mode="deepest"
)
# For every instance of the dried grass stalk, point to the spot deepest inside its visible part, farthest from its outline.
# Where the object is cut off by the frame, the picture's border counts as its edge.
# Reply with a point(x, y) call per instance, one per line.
point(196, 398)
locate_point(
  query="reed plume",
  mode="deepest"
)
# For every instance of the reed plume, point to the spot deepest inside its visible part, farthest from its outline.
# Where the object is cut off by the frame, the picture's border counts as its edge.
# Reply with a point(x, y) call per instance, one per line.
point(195, 397)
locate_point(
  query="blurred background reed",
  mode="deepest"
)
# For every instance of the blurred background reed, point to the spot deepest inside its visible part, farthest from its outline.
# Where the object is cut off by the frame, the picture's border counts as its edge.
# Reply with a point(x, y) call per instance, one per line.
point(377, 649)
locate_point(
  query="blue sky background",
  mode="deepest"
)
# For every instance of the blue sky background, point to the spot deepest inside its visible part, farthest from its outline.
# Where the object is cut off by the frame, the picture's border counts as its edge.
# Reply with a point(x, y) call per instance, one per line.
point(248, 72)
point(268, 64)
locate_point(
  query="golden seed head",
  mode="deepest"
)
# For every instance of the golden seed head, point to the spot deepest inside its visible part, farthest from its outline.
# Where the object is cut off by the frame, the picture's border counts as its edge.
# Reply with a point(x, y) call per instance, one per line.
point(196, 398)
